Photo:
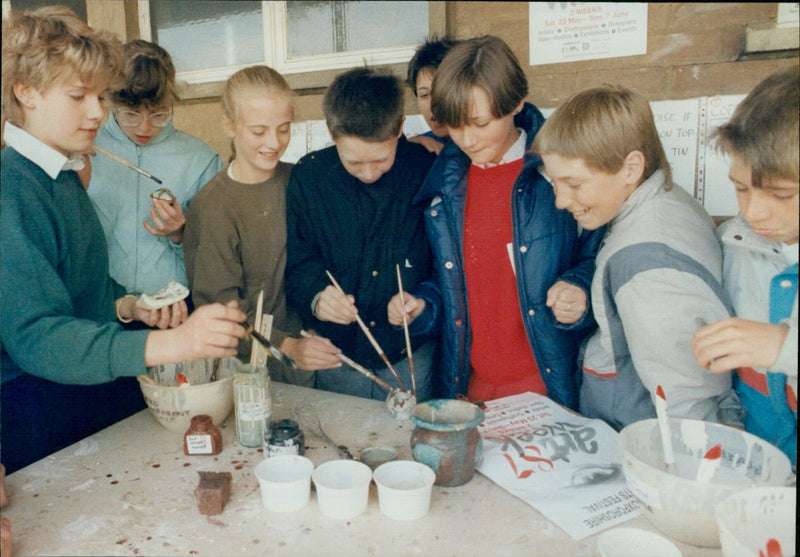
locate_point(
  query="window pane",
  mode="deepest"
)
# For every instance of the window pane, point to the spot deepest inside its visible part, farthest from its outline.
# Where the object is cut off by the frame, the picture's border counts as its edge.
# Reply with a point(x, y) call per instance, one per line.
point(77, 6)
point(305, 16)
point(327, 27)
point(385, 24)
point(202, 34)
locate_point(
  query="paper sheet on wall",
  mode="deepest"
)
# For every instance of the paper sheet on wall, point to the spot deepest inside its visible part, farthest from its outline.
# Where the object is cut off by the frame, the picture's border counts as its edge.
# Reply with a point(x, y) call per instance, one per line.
point(566, 466)
point(718, 195)
point(570, 31)
point(677, 124)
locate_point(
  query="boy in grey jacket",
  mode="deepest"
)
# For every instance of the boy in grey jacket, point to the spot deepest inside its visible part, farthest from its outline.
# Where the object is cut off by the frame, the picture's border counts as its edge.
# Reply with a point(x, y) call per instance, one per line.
point(658, 273)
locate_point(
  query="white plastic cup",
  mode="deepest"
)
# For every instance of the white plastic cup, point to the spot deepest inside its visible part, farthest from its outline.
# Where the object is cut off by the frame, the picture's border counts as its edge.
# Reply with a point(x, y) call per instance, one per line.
point(342, 488)
point(285, 482)
point(750, 518)
point(404, 489)
point(633, 542)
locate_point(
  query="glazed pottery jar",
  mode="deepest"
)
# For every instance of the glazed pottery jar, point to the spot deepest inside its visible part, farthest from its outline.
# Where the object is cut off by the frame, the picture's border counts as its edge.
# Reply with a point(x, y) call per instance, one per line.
point(446, 438)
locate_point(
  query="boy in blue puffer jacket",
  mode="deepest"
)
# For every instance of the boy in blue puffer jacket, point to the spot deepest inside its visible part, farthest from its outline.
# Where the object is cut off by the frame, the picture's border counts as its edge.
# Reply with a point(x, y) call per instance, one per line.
point(760, 261)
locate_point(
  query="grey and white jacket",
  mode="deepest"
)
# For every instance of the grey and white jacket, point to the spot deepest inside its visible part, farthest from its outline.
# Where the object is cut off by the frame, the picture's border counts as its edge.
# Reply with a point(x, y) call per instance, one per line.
point(657, 280)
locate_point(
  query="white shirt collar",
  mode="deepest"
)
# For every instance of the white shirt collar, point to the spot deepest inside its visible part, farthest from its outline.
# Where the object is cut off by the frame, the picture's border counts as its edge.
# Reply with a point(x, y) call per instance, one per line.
point(514, 153)
point(790, 252)
point(43, 156)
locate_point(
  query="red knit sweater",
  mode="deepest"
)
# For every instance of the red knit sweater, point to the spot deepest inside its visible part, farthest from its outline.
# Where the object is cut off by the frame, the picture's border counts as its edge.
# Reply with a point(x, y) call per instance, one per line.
point(501, 357)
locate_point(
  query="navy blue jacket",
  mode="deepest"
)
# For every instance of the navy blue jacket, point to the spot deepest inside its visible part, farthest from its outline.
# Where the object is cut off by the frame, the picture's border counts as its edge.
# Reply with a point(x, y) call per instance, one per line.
point(548, 247)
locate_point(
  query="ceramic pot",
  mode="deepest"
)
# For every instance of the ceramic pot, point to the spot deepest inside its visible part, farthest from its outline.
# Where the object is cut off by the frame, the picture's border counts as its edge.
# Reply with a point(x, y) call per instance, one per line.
point(446, 438)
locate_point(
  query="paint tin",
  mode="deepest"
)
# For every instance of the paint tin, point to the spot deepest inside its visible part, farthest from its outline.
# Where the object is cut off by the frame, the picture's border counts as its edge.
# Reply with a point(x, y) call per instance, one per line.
point(285, 437)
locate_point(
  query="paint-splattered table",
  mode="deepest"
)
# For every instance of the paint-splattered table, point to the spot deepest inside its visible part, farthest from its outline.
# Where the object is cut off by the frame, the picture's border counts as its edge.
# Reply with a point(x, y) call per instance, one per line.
point(128, 490)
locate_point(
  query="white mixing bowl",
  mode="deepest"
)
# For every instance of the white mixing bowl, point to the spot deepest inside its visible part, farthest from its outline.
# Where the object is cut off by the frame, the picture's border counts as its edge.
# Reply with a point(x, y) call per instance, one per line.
point(673, 500)
point(173, 407)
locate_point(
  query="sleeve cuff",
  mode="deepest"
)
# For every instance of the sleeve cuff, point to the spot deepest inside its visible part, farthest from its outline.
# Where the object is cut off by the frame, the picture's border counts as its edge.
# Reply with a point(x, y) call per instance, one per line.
point(787, 357)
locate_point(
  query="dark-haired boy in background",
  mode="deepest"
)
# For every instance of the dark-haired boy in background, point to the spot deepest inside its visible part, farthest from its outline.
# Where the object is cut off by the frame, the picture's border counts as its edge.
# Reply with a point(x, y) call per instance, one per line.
point(421, 71)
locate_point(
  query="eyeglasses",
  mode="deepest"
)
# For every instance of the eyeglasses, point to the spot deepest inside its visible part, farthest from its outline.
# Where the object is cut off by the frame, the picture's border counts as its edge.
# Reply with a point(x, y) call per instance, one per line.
point(130, 119)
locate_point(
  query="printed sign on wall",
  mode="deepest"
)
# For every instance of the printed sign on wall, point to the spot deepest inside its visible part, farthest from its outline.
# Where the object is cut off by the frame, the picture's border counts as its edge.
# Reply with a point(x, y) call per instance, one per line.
point(571, 31)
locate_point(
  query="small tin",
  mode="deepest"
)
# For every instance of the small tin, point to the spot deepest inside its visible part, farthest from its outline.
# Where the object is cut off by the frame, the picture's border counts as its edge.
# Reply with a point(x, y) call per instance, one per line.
point(285, 437)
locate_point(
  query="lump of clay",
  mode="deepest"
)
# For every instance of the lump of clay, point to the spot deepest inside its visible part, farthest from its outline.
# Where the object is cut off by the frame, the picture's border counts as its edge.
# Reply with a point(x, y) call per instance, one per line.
point(173, 292)
point(164, 194)
point(213, 491)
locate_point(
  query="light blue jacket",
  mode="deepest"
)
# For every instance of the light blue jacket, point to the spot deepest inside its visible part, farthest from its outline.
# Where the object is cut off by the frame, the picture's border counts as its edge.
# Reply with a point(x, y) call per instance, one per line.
point(658, 278)
point(138, 260)
point(762, 283)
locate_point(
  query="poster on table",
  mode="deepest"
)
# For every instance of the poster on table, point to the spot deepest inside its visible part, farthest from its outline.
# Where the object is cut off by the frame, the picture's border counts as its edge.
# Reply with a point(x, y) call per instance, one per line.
point(566, 466)
point(572, 31)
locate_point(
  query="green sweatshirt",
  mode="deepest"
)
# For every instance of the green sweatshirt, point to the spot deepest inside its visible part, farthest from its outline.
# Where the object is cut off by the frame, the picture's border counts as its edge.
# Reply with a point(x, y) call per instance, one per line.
point(58, 320)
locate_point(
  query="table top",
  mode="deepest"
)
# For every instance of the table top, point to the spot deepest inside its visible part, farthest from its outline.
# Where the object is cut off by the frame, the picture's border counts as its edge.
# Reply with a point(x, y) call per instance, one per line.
point(129, 490)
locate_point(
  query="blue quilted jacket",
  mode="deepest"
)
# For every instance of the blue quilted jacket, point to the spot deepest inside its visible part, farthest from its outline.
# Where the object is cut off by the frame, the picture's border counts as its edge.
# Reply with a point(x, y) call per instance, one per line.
point(548, 247)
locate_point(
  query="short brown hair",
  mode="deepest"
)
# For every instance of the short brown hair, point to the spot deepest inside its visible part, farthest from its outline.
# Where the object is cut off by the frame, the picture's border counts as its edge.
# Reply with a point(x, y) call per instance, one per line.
point(485, 62)
point(364, 103)
point(52, 45)
point(603, 126)
point(149, 77)
point(764, 128)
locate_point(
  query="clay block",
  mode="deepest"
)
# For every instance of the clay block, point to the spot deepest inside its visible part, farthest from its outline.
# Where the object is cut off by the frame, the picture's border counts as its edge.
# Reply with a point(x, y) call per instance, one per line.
point(213, 491)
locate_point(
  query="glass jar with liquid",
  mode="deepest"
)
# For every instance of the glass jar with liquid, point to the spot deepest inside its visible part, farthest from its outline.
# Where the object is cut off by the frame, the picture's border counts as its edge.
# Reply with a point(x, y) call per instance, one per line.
point(252, 404)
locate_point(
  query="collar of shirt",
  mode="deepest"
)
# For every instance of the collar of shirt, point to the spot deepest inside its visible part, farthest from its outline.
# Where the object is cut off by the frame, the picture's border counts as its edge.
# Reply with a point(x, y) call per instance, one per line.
point(43, 156)
point(790, 252)
point(514, 153)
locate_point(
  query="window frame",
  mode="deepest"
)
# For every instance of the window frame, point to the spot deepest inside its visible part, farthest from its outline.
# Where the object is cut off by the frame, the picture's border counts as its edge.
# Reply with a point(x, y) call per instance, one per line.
point(307, 73)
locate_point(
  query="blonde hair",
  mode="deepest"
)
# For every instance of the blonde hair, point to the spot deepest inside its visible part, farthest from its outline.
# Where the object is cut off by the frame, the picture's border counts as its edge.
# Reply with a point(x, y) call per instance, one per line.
point(603, 126)
point(254, 79)
point(49, 46)
point(764, 128)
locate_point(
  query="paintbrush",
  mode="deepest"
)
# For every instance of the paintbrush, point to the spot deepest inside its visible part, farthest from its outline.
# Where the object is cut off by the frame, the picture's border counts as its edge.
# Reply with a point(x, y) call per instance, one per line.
point(123, 162)
point(254, 351)
point(710, 464)
point(359, 368)
point(276, 353)
point(405, 330)
point(371, 338)
point(663, 426)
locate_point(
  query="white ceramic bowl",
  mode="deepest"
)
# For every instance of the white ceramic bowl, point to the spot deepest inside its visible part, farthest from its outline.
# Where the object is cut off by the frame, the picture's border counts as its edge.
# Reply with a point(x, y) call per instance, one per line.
point(173, 407)
point(748, 519)
point(404, 489)
point(634, 542)
point(673, 500)
point(285, 482)
point(342, 488)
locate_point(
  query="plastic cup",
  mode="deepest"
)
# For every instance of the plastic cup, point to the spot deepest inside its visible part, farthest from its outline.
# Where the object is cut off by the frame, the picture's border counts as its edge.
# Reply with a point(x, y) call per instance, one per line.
point(342, 488)
point(749, 519)
point(633, 542)
point(285, 482)
point(404, 489)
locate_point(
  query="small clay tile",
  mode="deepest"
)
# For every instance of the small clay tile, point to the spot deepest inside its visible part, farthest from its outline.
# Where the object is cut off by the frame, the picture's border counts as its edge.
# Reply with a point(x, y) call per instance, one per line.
point(213, 491)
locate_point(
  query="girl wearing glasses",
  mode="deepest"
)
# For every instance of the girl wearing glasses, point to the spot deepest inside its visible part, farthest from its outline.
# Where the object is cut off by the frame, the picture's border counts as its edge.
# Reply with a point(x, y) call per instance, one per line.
point(144, 233)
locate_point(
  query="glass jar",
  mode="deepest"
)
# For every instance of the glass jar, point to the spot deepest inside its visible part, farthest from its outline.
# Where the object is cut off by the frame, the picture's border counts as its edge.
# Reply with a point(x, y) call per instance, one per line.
point(252, 404)
point(285, 437)
point(202, 437)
